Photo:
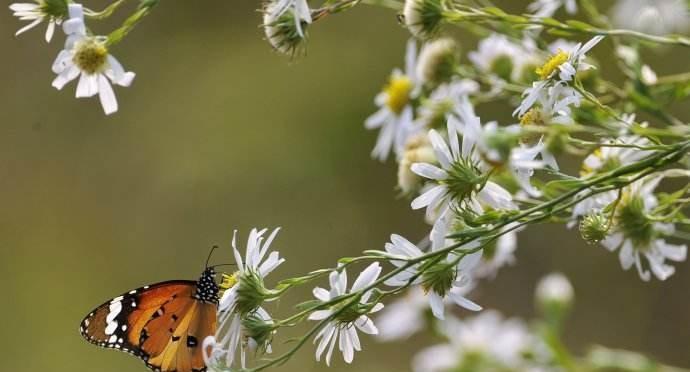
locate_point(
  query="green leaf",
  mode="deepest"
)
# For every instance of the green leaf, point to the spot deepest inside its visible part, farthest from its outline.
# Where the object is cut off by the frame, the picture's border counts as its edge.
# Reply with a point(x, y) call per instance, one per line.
point(555, 188)
point(551, 22)
point(307, 305)
point(558, 32)
point(495, 11)
point(579, 25)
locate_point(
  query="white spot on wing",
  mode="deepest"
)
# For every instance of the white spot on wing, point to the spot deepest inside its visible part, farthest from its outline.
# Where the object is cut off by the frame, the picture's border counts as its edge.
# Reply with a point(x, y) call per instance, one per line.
point(110, 329)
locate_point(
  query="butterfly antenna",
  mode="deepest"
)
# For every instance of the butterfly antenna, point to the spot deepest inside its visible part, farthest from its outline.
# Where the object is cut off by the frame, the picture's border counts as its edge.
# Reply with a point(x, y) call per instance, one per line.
point(208, 259)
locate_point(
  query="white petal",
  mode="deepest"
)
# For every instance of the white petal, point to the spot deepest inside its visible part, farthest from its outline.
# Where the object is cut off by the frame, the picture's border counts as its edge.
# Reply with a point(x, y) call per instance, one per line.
point(436, 303)
point(626, 255)
point(443, 154)
point(612, 242)
point(428, 197)
point(345, 346)
point(367, 277)
point(50, 31)
point(429, 171)
point(332, 345)
point(320, 314)
point(463, 302)
point(106, 95)
point(271, 263)
point(29, 26)
point(326, 334)
point(321, 294)
point(366, 325)
point(673, 252)
point(65, 77)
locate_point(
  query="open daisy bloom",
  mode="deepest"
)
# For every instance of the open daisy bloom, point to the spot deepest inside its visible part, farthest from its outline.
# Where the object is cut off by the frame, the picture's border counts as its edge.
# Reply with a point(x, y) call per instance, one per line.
point(448, 278)
point(51, 11)
point(344, 322)
point(499, 343)
point(87, 58)
point(638, 237)
point(240, 306)
point(394, 119)
point(460, 179)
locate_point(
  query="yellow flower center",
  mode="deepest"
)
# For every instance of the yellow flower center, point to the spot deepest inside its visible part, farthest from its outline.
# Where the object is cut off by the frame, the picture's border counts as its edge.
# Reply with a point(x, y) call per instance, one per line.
point(90, 56)
point(552, 64)
point(532, 117)
point(228, 281)
point(398, 93)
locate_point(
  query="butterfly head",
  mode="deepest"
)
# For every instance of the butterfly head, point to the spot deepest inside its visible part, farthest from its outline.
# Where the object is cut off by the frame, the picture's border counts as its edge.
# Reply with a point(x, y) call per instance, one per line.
point(206, 287)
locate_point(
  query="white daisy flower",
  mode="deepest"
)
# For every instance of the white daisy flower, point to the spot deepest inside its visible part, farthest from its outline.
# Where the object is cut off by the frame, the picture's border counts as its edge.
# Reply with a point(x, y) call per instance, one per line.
point(299, 9)
point(555, 74)
point(498, 146)
point(87, 57)
point(604, 159)
point(342, 329)
point(403, 317)
point(417, 149)
point(658, 17)
point(554, 288)
point(497, 55)
point(486, 335)
point(547, 8)
point(394, 119)
point(39, 11)
point(437, 61)
point(639, 238)
point(243, 298)
point(443, 101)
point(459, 179)
point(449, 278)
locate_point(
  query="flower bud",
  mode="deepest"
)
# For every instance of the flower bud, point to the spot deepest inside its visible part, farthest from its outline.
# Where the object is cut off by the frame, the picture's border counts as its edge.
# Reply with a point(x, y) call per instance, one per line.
point(417, 150)
point(437, 61)
point(259, 332)
point(554, 294)
point(423, 17)
point(594, 228)
point(284, 31)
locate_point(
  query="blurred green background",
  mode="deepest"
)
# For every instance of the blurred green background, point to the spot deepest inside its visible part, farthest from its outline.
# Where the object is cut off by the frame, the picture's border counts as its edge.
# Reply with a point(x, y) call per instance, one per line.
point(217, 133)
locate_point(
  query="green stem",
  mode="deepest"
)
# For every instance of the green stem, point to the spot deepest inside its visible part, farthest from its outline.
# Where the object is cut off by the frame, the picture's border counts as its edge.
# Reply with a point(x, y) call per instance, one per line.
point(106, 12)
point(464, 13)
point(145, 7)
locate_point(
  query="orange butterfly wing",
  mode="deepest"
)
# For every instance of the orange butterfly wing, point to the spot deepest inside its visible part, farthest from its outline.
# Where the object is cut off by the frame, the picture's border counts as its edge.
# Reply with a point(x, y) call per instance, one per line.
point(163, 324)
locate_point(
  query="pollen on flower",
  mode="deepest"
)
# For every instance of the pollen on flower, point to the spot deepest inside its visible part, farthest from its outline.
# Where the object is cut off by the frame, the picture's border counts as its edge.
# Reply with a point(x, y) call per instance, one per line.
point(547, 69)
point(228, 281)
point(532, 117)
point(91, 56)
point(398, 93)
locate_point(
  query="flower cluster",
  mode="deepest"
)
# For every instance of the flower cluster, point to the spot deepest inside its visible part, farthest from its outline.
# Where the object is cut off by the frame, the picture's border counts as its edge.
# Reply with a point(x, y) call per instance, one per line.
point(85, 56)
point(489, 139)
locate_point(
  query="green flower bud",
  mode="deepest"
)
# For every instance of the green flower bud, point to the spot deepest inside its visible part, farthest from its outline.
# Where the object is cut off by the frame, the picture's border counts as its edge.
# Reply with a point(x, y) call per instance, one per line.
point(259, 331)
point(594, 228)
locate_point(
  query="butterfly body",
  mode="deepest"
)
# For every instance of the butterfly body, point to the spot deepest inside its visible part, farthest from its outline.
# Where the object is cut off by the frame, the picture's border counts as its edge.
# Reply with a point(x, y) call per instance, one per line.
point(163, 324)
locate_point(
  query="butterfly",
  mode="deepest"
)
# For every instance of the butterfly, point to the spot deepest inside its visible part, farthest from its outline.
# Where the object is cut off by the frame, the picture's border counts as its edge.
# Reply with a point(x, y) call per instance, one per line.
point(163, 324)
